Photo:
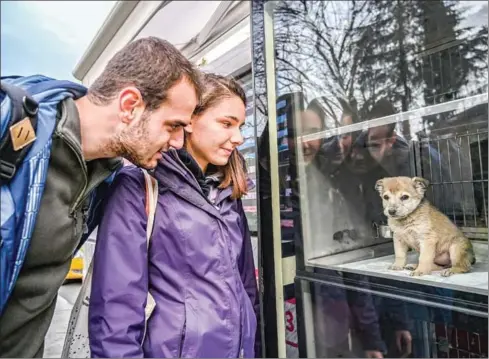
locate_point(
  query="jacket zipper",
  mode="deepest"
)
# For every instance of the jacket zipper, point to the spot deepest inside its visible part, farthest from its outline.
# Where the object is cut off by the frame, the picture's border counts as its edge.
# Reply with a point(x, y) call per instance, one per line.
point(240, 338)
point(82, 164)
point(182, 339)
point(238, 279)
point(86, 189)
point(194, 178)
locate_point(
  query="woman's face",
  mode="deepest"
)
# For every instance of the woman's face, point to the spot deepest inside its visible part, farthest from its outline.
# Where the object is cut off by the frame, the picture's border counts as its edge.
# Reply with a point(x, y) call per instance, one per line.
point(214, 134)
point(311, 123)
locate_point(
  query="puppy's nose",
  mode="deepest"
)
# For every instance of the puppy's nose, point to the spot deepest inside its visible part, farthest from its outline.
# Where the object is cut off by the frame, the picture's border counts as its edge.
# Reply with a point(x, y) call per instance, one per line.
point(392, 212)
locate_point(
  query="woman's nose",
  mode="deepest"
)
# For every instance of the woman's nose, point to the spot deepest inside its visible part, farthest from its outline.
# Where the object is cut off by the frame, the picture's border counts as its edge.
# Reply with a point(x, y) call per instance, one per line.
point(237, 138)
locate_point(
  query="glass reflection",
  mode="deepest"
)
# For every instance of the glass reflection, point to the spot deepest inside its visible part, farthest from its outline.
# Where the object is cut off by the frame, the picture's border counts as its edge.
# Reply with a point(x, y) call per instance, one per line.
point(382, 89)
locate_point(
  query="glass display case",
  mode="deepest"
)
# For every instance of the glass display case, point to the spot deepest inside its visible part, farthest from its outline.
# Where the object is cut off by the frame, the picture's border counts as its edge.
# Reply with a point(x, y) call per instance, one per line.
point(354, 93)
point(248, 150)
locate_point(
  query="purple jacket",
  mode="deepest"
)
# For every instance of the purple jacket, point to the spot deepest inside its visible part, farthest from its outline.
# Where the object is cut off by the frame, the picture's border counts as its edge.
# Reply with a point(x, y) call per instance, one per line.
point(201, 271)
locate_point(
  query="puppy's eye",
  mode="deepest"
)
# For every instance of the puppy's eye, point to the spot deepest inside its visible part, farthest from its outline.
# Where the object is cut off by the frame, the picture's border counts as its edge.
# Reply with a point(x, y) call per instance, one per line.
point(404, 197)
point(386, 197)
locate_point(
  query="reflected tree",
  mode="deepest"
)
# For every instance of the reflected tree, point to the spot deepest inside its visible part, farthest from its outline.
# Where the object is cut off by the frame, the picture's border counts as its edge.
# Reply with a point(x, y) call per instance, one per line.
point(317, 51)
point(352, 53)
point(454, 57)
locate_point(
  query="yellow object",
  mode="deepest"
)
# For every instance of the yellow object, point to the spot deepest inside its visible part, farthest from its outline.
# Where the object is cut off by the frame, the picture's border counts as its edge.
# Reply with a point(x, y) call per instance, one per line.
point(76, 268)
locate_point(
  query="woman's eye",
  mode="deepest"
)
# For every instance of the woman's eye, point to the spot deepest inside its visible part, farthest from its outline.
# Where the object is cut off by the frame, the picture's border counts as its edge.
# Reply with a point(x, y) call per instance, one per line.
point(404, 197)
point(227, 124)
point(386, 197)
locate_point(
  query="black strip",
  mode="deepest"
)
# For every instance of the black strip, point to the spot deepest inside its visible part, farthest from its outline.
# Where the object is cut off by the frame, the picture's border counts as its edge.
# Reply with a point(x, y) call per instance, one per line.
point(22, 106)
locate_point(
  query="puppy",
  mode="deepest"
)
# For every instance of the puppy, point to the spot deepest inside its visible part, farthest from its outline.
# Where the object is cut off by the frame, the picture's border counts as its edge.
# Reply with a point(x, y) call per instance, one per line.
point(418, 225)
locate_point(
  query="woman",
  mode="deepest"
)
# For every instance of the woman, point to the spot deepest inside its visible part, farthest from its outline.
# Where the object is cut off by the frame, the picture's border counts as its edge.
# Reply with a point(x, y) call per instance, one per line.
point(199, 266)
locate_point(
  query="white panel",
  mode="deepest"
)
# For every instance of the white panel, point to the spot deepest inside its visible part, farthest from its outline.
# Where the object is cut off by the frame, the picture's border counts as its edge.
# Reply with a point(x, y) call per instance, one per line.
point(229, 63)
point(134, 22)
point(180, 21)
point(242, 33)
point(288, 270)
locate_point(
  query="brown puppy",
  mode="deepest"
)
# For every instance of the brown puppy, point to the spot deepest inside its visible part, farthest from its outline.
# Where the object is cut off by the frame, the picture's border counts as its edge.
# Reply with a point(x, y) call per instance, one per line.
point(418, 225)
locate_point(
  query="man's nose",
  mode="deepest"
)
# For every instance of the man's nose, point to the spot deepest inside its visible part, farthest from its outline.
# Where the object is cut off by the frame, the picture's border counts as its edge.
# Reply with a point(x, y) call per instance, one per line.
point(176, 139)
point(392, 212)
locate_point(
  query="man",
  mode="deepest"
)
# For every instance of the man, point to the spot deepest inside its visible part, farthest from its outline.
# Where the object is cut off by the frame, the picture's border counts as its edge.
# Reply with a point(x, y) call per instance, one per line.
point(135, 109)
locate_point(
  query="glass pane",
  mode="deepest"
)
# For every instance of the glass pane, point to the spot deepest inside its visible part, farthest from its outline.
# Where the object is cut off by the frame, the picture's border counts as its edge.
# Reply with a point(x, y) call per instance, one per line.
point(349, 323)
point(248, 150)
point(378, 89)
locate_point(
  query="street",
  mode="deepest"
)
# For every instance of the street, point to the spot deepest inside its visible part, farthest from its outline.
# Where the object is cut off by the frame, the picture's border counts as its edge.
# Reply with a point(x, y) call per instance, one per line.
point(56, 334)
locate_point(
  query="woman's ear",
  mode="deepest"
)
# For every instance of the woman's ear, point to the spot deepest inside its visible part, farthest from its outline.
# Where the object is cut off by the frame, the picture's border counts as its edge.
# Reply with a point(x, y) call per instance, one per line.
point(190, 127)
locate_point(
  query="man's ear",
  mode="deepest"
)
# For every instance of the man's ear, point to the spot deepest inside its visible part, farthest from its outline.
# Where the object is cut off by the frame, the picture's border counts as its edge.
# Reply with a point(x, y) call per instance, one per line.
point(379, 186)
point(391, 140)
point(420, 185)
point(130, 102)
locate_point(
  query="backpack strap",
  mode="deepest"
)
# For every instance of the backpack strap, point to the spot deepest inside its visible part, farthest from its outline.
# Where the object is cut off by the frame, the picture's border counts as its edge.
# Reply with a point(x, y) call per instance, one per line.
point(151, 203)
point(17, 141)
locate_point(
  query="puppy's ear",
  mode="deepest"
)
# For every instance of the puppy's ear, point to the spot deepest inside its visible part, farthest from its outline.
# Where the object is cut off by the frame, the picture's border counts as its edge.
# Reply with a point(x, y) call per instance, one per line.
point(420, 185)
point(379, 186)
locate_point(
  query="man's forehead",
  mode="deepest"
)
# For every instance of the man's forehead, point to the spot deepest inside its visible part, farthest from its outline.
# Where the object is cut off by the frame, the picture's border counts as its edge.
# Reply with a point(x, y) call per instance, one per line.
point(183, 93)
point(377, 133)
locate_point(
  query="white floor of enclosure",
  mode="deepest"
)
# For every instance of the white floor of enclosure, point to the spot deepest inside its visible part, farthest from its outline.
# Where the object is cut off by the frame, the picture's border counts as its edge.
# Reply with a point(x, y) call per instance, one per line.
point(476, 281)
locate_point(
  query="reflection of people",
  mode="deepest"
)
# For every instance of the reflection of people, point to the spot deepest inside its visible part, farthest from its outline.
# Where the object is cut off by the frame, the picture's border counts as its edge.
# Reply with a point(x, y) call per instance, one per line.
point(396, 326)
point(337, 310)
point(335, 214)
point(340, 312)
point(311, 123)
point(383, 142)
point(392, 156)
point(136, 108)
point(199, 268)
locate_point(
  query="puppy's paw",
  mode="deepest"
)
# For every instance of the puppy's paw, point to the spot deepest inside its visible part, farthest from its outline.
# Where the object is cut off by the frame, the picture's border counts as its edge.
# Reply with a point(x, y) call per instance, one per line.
point(419, 272)
point(411, 266)
point(453, 270)
point(396, 267)
point(447, 272)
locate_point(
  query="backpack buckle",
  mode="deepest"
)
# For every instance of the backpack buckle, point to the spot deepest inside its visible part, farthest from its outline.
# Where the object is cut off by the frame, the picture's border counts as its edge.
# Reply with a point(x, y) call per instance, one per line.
point(7, 170)
point(31, 107)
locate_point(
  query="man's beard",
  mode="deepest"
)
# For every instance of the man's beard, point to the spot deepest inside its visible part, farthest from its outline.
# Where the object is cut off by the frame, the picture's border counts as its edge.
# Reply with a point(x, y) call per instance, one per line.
point(130, 143)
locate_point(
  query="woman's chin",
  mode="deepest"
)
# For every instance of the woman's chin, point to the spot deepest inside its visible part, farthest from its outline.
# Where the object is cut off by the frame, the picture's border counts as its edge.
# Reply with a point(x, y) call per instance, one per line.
point(220, 161)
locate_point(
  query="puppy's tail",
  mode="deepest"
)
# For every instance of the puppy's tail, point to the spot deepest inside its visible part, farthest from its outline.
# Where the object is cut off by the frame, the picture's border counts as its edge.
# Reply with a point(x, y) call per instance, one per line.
point(470, 253)
point(472, 261)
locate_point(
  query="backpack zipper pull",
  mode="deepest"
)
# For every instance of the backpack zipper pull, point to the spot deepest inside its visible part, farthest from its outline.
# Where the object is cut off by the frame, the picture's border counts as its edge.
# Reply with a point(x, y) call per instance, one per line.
point(84, 219)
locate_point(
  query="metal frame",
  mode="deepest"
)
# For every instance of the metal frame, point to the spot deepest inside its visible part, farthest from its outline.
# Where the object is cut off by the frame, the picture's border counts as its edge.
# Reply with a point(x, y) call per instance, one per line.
point(272, 132)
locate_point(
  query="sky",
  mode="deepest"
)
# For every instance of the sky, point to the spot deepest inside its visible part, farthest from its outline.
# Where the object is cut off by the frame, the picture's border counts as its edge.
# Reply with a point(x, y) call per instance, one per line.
point(48, 37)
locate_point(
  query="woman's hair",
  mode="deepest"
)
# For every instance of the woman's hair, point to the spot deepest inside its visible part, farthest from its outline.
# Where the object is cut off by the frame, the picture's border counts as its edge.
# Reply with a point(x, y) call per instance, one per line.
point(215, 89)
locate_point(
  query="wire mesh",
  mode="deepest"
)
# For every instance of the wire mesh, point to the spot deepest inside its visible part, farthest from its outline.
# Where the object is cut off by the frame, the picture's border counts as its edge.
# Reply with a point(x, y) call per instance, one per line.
point(456, 166)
